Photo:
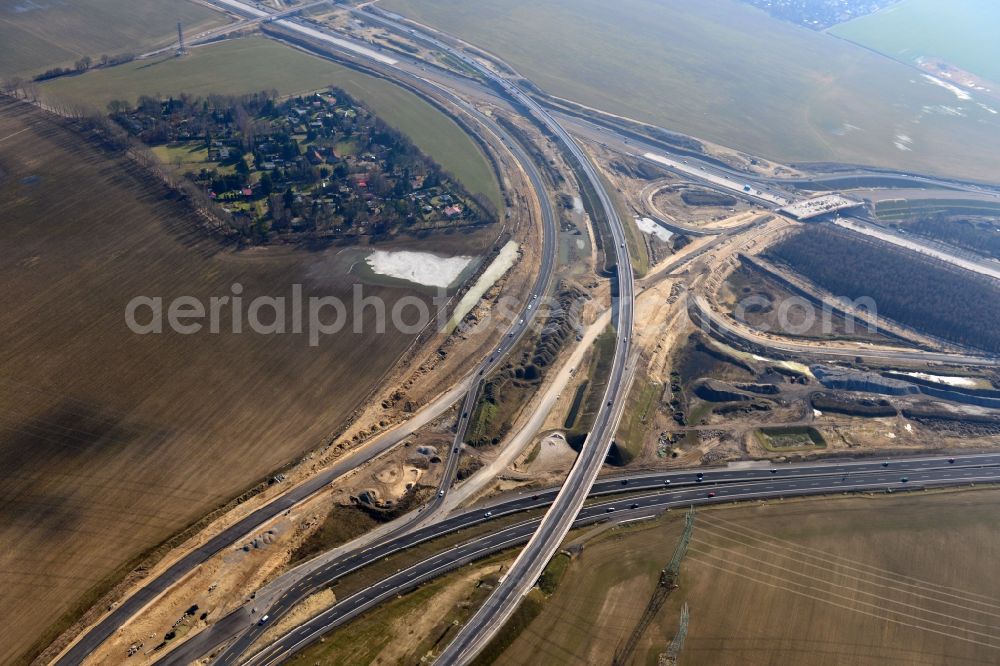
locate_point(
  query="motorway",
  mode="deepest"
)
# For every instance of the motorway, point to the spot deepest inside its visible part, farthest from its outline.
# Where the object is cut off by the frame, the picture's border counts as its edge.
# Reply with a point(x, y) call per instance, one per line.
point(558, 520)
point(694, 165)
point(650, 495)
point(556, 523)
point(521, 325)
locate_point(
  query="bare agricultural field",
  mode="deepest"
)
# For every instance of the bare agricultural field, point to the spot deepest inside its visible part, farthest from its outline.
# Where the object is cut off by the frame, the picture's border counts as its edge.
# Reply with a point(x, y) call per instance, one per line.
point(598, 601)
point(728, 73)
point(110, 441)
point(35, 36)
point(250, 65)
point(904, 579)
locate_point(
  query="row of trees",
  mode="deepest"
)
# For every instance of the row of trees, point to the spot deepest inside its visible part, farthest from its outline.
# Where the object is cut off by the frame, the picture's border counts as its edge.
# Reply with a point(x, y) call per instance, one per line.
point(979, 236)
point(85, 63)
point(915, 290)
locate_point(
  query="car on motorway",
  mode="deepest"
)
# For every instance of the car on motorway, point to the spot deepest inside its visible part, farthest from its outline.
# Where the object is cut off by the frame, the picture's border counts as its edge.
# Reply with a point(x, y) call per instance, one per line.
point(440, 493)
point(951, 460)
point(904, 479)
point(262, 621)
point(633, 506)
point(666, 482)
point(885, 463)
point(624, 482)
point(488, 514)
point(711, 494)
point(609, 509)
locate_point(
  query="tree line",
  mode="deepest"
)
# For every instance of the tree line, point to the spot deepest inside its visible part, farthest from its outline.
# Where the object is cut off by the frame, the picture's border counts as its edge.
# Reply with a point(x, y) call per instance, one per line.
point(915, 290)
point(981, 236)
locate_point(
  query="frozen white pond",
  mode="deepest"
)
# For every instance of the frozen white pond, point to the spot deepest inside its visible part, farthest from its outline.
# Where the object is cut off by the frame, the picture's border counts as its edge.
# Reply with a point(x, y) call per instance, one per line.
point(421, 268)
point(648, 226)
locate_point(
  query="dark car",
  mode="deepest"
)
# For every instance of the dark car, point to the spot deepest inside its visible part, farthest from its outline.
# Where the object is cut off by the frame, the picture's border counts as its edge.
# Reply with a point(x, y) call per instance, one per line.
point(711, 494)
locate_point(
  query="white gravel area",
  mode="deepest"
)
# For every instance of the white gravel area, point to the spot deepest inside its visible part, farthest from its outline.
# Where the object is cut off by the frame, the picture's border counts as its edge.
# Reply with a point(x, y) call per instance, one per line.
point(650, 227)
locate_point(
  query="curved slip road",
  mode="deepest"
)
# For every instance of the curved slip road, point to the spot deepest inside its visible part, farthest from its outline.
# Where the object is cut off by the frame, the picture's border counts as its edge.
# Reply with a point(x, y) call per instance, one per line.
point(708, 319)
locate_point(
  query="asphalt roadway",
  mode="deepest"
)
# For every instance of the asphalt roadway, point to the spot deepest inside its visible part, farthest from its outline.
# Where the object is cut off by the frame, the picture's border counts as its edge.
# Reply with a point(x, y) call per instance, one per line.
point(519, 327)
point(569, 501)
point(848, 177)
point(684, 489)
point(559, 518)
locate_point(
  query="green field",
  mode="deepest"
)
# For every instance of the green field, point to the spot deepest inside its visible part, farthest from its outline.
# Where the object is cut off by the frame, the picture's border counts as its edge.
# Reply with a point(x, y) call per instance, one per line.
point(960, 32)
point(35, 36)
point(725, 72)
point(250, 65)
